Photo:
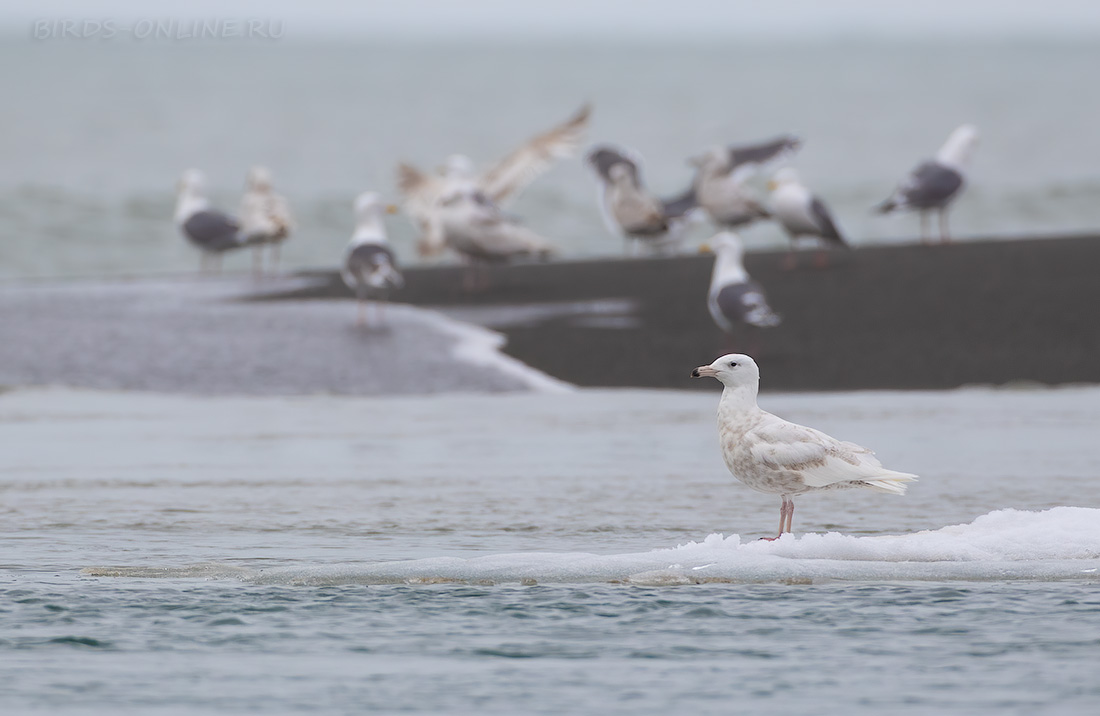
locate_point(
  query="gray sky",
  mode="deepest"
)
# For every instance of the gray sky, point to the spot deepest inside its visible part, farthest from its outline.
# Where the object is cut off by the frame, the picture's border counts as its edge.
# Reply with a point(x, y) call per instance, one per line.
point(615, 18)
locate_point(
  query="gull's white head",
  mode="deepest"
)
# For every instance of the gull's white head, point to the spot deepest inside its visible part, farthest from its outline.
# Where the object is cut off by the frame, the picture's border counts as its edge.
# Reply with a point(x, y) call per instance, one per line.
point(620, 174)
point(192, 182)
point(787, 176)
point(958, 148)
point(458, 166)
point(259, 179)
point(192, 194)
point(369, 203)
point(733, 371)
point(727, 243)
point(713, 157)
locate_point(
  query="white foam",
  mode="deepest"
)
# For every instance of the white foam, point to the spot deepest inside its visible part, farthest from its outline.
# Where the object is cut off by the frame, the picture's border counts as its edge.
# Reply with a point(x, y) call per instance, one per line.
point(1060, 543)
point(482, 347)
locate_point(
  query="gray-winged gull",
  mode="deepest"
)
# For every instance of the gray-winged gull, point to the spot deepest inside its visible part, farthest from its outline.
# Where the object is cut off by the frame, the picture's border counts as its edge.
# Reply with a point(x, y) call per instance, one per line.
point(629, 208)
point(772, 455)
point(934, 184)
point(370, 268)
point(265, 217)
point(213, 232)
point(475, 228)
point(423, 192)
point(735, 300)
point(802, 214)
point(720, 187)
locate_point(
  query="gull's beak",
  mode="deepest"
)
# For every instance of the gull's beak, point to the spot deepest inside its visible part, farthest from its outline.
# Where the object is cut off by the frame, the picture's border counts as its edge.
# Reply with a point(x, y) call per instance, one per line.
point(704, 371)
point(772, 185)
point(705, 249)
point(391, 208)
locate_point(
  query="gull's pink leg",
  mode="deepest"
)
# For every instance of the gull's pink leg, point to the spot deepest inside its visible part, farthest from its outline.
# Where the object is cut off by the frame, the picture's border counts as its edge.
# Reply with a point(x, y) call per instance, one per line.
point(786, 509)
point(790, 513)
point(361, 319)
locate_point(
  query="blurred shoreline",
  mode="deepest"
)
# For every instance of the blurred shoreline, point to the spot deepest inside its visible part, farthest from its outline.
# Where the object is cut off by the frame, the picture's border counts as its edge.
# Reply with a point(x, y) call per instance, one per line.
point(880, 317)
point(884, 317)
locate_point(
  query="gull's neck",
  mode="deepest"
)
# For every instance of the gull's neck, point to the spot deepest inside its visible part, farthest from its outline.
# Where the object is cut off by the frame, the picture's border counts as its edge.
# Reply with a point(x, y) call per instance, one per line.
point(189, 202)
point(738, 402)
point(728, 269)
point(955, 153)
point(369, 230)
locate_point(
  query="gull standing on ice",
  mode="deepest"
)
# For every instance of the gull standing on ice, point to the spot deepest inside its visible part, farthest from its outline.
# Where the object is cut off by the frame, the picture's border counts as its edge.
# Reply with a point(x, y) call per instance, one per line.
point(423, 192)
point(213, 232)
point(802, 214)
point(934, 184)
point(629, 209)
point(265, 218)
point(772, 455)
point(720, 180)
point(735, 299)
point(370, 269)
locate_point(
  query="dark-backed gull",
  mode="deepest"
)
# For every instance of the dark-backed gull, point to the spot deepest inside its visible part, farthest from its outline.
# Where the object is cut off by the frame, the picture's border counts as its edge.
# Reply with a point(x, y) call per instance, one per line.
point(370, 267)
point(802, 214)
point(735, 300)
point(934, 184)
point(213, 232)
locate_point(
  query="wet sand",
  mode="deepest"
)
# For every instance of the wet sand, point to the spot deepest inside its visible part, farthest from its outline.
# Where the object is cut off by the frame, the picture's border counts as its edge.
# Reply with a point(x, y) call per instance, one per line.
point(196, 335)
point(911, 316)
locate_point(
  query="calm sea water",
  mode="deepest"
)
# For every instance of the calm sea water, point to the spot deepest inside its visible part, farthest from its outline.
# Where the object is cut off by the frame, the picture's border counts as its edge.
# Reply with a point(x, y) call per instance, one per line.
point(173, 554)
point(95, 134)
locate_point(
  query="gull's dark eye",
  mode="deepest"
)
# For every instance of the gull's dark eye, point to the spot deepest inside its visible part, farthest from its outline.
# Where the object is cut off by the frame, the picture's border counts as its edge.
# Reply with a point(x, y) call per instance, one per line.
point(733, 364)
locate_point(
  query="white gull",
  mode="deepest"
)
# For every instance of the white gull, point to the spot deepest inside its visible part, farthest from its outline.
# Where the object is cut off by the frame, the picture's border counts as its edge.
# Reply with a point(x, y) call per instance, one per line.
point(772, 455)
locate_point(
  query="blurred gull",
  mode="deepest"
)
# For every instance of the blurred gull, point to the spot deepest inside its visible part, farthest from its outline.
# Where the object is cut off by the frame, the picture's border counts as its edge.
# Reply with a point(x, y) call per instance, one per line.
point(265, 218)
point(370, 269)
point(802, 214)
point(629, 209)
point(471, 225)
point(720, 180)
point(934, 184)
point(211, 231)
point(734, 298)
point(772, 455)
point(424, 192)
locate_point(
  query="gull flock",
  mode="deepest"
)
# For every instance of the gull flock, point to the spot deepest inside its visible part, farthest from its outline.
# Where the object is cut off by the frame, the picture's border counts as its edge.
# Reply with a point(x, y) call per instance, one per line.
point(461, 208)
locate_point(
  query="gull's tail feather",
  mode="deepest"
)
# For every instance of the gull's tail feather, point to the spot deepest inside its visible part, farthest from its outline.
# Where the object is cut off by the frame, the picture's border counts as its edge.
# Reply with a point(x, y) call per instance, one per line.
point(892, 482)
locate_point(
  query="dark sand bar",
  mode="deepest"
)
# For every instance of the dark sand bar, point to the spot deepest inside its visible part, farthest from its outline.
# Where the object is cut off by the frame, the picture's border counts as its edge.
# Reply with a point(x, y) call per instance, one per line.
point(909, 317)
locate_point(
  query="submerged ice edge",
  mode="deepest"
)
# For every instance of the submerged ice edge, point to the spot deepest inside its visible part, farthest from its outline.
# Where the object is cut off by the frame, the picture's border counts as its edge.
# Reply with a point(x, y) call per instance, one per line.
point(1060, 543)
